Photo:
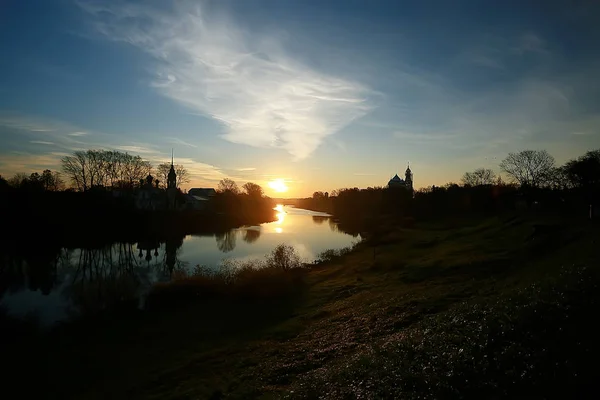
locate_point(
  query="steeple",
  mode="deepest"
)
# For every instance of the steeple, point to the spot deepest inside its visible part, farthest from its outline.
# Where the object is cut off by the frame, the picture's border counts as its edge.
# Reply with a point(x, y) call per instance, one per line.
point(172, 176)
point(408, 176)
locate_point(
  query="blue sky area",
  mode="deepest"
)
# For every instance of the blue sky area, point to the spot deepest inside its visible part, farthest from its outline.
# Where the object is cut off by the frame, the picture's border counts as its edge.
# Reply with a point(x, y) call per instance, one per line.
point(322, 94)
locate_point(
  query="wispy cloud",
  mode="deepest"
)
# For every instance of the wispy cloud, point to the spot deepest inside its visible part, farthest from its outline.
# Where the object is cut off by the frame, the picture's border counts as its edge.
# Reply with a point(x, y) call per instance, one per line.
point(262, 95)
point(135, 149)
point(41, 142)
point(78, 133)
point(175, 140)
point(530, 43)
point(246, 169)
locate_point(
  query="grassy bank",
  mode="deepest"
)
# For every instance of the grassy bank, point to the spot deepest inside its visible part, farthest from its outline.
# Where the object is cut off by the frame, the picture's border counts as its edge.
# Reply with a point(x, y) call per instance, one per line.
point(495, 307)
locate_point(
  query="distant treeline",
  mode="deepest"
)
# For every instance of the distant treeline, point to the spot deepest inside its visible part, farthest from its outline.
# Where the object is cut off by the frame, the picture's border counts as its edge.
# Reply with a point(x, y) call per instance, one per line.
point(100, 201)
point(533, 181)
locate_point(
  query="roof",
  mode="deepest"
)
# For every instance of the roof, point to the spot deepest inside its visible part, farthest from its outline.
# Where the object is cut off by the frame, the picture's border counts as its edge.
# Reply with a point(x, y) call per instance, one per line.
point(198, 198)
point(396, 179)
point(202, 192)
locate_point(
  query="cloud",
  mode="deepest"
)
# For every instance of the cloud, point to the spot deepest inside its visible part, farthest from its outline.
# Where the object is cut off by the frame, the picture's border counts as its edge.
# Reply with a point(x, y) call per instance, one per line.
point(246, 169)
point(181, 142)
point(248, 82)
point(135, 149)
point(531, 43)
point(78, 133)
point(41, 142)
point(29, 159)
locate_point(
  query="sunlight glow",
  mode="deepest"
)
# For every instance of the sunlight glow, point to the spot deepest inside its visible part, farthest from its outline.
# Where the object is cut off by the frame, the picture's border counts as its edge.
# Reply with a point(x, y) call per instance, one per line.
point(278, 185)
point(278, 230)
point(280, 214)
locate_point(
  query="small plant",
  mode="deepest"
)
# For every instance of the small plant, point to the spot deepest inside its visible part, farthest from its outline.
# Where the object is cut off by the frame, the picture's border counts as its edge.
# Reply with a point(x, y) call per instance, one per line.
point(284, 257)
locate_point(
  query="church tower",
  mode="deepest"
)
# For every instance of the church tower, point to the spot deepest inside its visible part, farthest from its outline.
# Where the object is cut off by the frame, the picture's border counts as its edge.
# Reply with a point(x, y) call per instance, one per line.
point(172, 176)
point(408, 177)
point(172, 186)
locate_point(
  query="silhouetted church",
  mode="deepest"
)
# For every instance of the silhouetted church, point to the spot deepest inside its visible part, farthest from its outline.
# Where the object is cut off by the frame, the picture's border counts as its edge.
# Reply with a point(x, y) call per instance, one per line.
point(398, 183)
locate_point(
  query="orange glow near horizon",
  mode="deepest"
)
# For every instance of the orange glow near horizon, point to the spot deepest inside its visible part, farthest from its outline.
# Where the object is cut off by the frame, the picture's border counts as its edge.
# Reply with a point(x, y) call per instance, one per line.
point(278, 185)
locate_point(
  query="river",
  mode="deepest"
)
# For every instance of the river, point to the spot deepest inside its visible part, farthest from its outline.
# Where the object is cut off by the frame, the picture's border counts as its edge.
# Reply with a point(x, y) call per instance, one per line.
point(58, 284)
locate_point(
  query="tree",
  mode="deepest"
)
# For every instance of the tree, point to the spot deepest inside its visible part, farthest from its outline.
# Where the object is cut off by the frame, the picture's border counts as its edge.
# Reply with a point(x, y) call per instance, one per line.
point(51, 180)
point(163, 174)
point(481, 176)
point(228, 186)
point(584, 171)
point(284, 257)
point(86, 169)
point(253, 190)
point(529, 167)
point(18, 180)
point(3, 183)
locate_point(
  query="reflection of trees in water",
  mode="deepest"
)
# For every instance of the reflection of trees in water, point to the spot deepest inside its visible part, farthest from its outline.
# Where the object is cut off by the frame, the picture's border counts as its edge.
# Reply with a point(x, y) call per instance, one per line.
point(333, 225)
point(35, 269)
point(226, 241)
point(92, 278)
point(319, 219)
point(251, 235)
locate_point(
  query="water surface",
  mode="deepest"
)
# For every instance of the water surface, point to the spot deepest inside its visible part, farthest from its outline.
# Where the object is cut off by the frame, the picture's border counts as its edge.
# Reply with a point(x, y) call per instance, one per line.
point(55, 284)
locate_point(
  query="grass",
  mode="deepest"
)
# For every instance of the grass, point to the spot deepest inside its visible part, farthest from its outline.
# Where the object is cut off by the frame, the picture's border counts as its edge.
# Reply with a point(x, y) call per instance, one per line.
point(477, 310)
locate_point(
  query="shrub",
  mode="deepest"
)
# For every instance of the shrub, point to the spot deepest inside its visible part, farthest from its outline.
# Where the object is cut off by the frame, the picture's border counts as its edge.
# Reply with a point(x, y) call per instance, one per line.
point(284, 257)
point(280, 276)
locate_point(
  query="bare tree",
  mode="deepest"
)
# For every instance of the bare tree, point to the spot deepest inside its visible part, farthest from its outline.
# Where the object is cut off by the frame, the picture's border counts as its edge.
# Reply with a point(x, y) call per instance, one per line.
point(529, 167)
point(253, 190)
point(18, 180)
point(481, 176)
point(162, 170)
point(75, 167)
point(86, 169)
point(228, 186)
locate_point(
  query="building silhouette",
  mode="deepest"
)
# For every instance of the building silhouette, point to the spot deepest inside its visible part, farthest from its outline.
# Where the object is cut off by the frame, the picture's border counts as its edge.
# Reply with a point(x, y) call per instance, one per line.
point(398, 183)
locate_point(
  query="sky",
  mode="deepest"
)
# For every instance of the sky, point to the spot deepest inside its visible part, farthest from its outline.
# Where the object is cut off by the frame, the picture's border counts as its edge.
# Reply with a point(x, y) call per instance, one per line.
point(321, 94)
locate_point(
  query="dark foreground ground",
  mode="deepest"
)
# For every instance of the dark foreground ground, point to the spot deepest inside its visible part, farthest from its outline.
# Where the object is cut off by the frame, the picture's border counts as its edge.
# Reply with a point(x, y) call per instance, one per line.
point(502, 307)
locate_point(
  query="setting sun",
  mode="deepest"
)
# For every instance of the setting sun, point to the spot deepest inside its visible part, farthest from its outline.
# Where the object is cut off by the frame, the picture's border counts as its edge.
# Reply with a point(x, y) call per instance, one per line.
point(278, 185)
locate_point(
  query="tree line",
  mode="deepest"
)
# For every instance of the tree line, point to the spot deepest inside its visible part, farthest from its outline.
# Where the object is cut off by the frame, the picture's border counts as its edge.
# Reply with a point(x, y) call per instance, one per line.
point(531, 178)
point(85, 170)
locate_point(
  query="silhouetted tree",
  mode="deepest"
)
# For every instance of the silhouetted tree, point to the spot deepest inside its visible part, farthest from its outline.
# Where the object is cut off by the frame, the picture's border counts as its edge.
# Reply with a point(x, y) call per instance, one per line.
point(529, 167)
point(3, 183)
point(91, 168)
point(51, 180)
point(228, 186)
point(585, 170)
point(253, 190)
point(163, 174)
point(18, 180)
point(481, 176)
point(284, 257)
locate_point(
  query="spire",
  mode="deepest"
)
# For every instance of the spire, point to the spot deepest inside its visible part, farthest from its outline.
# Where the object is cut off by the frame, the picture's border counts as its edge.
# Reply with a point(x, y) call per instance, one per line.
point(172, 176)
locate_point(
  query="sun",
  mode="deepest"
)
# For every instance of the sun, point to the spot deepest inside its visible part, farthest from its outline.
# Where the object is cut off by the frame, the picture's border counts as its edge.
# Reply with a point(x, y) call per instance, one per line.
point(278, 185)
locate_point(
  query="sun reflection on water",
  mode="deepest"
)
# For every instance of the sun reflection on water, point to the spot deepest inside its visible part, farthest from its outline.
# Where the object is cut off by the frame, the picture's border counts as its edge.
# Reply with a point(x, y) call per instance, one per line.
point(280, 214)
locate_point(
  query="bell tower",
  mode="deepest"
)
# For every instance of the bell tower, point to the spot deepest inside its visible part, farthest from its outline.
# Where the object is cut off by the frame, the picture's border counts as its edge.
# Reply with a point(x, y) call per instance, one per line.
point(408, 177)
point(172, 176)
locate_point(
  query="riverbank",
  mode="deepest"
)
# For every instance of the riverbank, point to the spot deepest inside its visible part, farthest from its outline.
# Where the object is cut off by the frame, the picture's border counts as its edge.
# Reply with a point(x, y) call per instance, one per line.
point(95, 219)
point(480, 307)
